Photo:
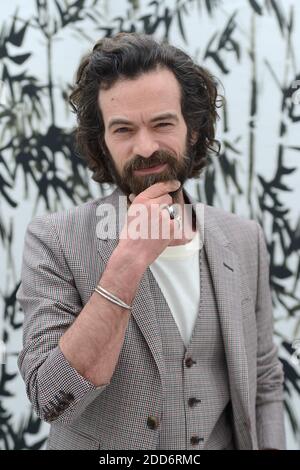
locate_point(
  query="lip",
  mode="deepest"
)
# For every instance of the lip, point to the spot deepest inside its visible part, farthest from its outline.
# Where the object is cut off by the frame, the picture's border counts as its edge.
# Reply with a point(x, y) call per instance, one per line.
point(154, 169)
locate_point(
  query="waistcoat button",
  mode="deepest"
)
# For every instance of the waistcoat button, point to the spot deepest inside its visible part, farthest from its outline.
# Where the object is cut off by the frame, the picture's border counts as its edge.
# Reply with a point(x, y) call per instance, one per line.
point(196, 439)
point(152, 422)
point(193, 401)
point(189, 362)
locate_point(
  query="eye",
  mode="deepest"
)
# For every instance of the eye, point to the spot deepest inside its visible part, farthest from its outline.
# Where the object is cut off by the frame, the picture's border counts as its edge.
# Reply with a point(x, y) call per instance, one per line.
point(121, 130)
point(163, 124)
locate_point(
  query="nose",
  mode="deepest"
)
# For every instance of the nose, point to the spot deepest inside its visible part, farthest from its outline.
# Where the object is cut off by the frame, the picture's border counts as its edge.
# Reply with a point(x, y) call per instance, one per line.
point(144, 144)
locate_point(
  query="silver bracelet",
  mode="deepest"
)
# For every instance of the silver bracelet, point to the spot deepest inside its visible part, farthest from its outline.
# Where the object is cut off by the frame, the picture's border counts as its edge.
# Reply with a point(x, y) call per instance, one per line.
point(113, 298)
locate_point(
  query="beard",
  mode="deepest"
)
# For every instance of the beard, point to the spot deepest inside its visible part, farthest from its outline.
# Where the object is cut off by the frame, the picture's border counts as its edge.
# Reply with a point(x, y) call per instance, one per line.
point(177, 168)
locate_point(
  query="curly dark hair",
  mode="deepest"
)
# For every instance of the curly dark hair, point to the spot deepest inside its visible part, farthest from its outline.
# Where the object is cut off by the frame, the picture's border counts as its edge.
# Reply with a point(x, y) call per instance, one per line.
point(128, 56)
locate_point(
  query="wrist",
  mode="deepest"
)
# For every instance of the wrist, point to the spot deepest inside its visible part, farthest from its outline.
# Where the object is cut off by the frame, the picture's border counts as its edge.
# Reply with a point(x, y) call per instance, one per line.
point(126, 260)
point(122, 276)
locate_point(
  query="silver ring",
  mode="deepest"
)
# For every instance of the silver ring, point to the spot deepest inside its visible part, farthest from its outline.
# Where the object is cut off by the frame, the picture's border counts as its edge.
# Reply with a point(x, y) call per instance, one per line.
point(179, 221)
point(171, 210)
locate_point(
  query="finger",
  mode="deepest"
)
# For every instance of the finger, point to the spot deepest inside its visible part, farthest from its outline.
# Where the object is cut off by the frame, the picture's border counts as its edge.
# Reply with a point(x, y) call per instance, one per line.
point(159, 189)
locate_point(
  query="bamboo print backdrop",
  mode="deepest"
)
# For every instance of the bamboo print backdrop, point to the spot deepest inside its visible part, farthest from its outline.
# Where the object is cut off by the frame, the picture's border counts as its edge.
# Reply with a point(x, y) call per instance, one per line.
point(250, 45)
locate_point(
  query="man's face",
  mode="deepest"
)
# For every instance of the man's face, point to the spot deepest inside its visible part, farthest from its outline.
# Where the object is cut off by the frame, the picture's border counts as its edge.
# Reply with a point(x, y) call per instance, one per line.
point(145, 132)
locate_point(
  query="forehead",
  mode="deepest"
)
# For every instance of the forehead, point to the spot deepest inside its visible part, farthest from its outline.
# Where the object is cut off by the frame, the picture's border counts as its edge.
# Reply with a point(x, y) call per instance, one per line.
point(152, 92)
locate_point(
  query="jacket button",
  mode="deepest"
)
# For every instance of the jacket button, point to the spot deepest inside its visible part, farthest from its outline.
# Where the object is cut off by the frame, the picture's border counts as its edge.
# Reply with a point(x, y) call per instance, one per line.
point(189, 362)
point(62, 406)
point(65, 396)
point(193, 401)
point(152, 422)
point(196, 439)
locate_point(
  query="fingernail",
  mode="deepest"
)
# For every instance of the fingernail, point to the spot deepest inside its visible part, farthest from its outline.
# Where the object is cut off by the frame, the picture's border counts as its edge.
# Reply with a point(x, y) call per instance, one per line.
point(131, 197)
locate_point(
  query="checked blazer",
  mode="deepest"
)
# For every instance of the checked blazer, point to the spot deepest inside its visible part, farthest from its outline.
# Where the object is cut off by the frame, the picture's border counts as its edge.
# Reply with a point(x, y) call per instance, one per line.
point(63, 259)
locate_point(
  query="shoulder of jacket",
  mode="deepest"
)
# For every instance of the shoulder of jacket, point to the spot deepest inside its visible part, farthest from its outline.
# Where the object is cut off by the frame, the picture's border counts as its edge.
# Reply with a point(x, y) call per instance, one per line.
point(230, 217)
point(79, 213)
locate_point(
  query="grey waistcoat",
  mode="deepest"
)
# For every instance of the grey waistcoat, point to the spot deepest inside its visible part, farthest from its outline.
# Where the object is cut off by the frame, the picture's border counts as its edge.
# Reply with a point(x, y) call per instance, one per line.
point(197, 408)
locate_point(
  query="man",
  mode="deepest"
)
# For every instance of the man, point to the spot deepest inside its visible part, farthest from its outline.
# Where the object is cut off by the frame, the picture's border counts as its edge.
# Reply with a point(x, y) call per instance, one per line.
point(149, 342)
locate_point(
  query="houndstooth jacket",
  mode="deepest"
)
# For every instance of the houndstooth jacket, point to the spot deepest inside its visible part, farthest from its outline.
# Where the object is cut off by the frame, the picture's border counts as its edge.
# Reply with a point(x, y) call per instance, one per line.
point(63, 260)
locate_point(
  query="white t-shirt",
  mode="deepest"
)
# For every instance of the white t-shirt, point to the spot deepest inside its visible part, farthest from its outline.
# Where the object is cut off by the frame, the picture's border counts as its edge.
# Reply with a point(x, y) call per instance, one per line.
point(176, 271)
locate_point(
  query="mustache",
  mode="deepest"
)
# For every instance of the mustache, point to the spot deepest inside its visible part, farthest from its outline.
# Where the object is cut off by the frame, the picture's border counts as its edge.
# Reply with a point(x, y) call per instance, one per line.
point(157, 158)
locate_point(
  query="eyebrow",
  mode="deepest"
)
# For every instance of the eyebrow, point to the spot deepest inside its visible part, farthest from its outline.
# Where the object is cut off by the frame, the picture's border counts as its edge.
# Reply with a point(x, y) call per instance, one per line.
point(161, 117)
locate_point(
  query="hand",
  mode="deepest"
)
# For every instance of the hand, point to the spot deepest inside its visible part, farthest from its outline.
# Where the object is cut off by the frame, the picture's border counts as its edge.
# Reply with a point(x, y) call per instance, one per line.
point(143, 234)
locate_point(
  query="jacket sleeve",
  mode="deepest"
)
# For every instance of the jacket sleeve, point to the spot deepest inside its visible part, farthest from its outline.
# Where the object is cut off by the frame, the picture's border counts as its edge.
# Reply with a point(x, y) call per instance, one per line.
point(270, 376)
point(50, 301)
